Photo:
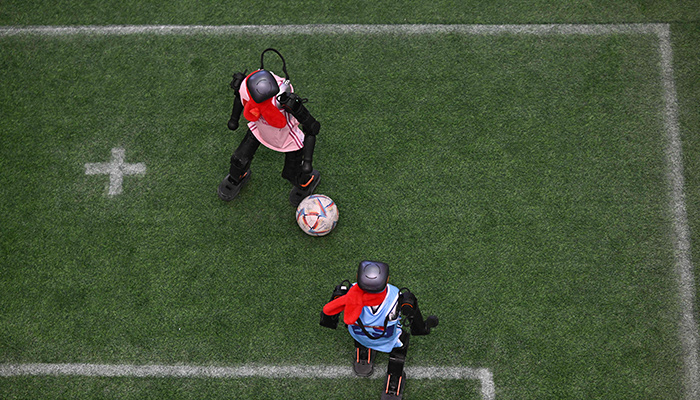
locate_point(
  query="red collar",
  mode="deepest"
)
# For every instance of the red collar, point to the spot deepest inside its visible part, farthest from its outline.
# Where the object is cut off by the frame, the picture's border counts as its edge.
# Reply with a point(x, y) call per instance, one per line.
point(352, 303)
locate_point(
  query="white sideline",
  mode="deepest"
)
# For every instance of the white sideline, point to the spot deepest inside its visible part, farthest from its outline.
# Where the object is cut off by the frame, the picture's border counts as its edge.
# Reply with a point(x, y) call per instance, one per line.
point(688, 327)
point(485, 376)
point(341, 29)
point(681, 244)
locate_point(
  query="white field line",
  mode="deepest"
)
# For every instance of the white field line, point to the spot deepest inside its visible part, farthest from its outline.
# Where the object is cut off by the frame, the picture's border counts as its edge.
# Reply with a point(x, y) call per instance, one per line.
point(244, 371)
point(683, 261)
point(327, 29)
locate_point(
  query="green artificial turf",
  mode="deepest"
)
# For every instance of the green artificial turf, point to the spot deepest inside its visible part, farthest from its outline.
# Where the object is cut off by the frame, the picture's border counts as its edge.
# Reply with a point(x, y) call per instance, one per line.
point(515, 183)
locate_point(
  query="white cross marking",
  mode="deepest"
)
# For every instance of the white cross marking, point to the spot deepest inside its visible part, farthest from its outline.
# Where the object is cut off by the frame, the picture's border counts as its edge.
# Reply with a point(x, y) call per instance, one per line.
point(116, 169)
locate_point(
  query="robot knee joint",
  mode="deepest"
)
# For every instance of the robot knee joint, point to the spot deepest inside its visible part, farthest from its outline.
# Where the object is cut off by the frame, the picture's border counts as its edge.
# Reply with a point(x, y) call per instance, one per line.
point(396, 363)
point(397, 358)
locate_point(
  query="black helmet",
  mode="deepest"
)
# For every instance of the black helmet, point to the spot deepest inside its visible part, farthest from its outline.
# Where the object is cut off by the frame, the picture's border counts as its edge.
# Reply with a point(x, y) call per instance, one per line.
point(372, 276)
point(262, 86)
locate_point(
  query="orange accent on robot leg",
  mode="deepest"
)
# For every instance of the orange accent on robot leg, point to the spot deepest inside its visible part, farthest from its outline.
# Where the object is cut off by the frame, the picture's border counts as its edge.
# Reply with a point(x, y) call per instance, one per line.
point(309, 182)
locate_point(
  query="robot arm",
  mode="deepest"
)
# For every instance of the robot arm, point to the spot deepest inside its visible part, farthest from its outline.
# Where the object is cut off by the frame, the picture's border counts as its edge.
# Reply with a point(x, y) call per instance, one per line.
point(331, 321)
point(238, 79)
point(409, 308)
point(294, 105)
point(308, 154)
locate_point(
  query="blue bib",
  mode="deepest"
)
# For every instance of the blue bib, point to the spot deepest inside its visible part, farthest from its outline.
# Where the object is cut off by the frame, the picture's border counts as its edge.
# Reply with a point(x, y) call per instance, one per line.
point(373, 322)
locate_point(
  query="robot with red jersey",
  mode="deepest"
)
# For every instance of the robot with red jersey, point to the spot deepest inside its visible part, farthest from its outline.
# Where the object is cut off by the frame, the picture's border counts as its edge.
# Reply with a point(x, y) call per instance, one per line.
point(279, 120)
point(380, 317)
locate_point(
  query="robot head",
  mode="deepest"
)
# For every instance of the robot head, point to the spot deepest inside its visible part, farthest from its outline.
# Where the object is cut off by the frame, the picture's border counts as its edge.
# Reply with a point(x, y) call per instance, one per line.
point(262, 86)
point(372, 276)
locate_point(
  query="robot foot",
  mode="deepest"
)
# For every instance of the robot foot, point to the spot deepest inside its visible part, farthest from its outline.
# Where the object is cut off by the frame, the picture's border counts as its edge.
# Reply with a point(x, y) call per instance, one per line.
point(363, 364)
point(299, 194)
point(394, 387)
point(228, 190)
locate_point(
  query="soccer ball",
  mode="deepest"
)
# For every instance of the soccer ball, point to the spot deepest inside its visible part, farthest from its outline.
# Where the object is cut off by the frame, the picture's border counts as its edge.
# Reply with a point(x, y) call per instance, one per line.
point(317, 215)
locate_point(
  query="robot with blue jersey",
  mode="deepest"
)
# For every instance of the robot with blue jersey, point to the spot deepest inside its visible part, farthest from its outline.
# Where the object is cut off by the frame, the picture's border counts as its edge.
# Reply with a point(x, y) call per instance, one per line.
point(380, 317)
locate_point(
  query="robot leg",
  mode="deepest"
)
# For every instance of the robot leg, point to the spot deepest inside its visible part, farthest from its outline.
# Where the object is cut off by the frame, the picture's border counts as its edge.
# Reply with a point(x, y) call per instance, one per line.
point(395, 376)
point(304, 182)
point(239, 172)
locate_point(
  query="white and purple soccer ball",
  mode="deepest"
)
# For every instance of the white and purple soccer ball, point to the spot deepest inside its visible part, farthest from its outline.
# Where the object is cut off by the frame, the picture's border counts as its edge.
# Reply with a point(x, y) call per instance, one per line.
point(317, 215)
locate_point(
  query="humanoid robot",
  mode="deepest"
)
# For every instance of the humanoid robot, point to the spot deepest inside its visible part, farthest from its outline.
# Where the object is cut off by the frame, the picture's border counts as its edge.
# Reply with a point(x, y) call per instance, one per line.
point(275, 114)
point(380, 317)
